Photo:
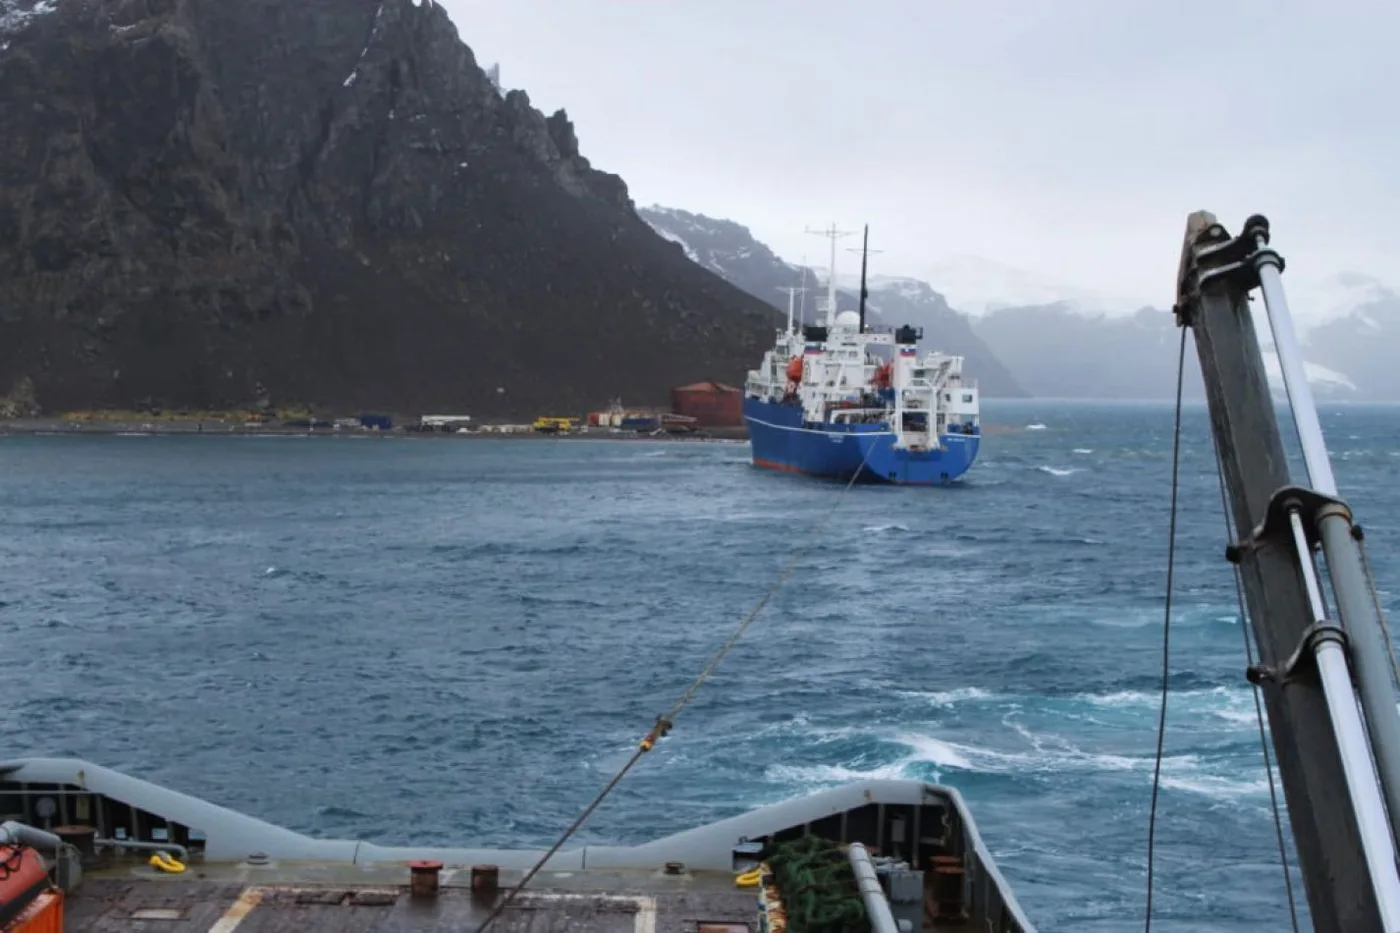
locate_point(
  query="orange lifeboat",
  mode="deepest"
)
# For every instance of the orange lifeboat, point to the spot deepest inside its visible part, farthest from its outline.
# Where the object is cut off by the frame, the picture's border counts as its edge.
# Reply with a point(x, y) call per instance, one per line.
point(794, 369)
point(25, 879)
point(882, 376)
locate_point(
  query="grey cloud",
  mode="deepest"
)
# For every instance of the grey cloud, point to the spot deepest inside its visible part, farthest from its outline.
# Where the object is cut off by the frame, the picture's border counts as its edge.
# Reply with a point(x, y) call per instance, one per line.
point(1068, 138)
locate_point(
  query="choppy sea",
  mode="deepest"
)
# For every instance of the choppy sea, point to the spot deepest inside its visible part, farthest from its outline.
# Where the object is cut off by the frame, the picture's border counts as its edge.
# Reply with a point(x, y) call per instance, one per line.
point(459, 641)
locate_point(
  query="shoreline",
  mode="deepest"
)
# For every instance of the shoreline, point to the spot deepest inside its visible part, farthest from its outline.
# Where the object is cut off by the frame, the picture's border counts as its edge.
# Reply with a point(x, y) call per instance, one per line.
point(49, 427)
point(52, 427)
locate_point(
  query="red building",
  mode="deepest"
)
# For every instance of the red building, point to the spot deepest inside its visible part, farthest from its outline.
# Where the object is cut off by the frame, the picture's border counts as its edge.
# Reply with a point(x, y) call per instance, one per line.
point(711, 404)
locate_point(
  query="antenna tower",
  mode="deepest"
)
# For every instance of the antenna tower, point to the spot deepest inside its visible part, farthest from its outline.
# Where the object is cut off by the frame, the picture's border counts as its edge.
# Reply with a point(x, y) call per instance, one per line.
point(865, 252)
point(832, 234)
point(792, 291)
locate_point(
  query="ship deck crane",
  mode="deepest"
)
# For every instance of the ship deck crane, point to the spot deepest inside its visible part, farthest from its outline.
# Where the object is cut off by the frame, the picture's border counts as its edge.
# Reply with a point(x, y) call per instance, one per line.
point(1338, 747)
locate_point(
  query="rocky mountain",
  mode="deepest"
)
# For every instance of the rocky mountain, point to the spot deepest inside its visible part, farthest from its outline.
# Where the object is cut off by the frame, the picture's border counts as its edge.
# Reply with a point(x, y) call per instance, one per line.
point(1067, 345)
point(1364, 340)
point(730, 250)
point(1059, 351)
point(976, 285)
point(1080, 344)
point(207, 203)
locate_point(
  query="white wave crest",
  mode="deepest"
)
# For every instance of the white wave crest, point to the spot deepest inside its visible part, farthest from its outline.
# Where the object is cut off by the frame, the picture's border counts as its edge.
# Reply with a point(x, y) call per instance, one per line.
point(944, 698)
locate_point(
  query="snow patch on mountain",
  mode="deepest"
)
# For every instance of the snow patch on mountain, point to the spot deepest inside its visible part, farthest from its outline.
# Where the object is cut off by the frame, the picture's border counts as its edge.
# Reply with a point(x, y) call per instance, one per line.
point(722, 246)
point(16, 13)
point(977, 285)
point(900, 285)
point(1322, 301)
point(1322, 380)
point(676, 238)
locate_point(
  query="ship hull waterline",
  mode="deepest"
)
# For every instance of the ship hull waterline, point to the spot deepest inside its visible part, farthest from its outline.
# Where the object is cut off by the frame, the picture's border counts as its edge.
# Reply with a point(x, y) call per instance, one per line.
point(780, 441)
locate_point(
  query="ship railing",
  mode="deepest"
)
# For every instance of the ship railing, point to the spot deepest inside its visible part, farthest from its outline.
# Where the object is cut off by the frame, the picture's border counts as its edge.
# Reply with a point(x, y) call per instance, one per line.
point(846, 415)
point(919, 391)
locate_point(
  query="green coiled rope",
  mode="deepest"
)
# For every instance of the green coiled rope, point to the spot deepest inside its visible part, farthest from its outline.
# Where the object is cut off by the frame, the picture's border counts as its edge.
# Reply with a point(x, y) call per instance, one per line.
point(818, 887)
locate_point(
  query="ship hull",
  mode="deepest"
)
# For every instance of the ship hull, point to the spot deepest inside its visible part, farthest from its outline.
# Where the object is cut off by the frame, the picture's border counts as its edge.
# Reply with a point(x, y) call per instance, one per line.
point(780, 441)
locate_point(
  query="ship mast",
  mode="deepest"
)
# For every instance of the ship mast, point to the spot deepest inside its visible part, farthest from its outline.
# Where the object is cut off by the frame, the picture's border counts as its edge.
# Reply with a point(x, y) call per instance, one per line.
point(802, 309)
point(1338, 748)
point(792, 291)
point(864, 259)
point(833, 235)
point(865, 252)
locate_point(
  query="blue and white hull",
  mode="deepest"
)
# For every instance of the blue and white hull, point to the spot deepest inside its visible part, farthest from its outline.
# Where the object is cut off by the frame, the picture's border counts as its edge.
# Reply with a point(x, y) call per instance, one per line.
point(780, 441)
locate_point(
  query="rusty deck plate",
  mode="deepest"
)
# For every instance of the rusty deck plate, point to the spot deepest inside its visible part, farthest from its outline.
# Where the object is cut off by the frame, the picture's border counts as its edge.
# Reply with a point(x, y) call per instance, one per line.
point(312, 899)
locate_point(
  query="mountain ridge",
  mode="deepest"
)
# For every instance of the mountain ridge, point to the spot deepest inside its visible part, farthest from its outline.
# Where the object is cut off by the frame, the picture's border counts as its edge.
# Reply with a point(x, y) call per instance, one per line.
point(730, 249)
point(1066, 349)
point(325, 202)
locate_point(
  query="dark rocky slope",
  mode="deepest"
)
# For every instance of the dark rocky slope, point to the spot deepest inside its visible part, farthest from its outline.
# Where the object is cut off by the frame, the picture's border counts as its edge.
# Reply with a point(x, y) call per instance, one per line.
point(324, 202)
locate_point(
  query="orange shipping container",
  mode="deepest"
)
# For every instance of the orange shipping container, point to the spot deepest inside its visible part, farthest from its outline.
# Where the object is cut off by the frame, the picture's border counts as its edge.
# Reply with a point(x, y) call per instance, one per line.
point(711, 404)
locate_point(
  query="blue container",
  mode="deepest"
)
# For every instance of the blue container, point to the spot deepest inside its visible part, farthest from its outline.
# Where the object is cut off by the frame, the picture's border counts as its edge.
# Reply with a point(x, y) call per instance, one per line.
point(379, 422)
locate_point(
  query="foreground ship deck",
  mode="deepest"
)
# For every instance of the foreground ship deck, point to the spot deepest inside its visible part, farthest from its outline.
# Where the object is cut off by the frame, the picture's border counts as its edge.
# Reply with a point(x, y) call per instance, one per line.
point(247, 875)
point(313, 898)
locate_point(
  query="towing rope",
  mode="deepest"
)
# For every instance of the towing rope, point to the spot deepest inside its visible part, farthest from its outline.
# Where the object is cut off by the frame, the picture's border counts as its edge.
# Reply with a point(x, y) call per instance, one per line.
point(1248, 652)
point(1166, 633)
point(663, 723)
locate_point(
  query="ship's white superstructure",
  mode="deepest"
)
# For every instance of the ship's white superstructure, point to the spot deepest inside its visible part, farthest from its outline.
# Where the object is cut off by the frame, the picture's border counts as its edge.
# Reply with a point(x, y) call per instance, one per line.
point(869, 392)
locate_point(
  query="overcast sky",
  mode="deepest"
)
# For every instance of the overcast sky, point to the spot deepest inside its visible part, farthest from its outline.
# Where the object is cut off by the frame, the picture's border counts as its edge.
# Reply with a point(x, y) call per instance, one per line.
point(1069, 138)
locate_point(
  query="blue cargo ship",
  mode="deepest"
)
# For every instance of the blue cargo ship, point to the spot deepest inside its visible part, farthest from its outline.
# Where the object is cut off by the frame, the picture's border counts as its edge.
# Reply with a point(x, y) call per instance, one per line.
point(842, 400)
